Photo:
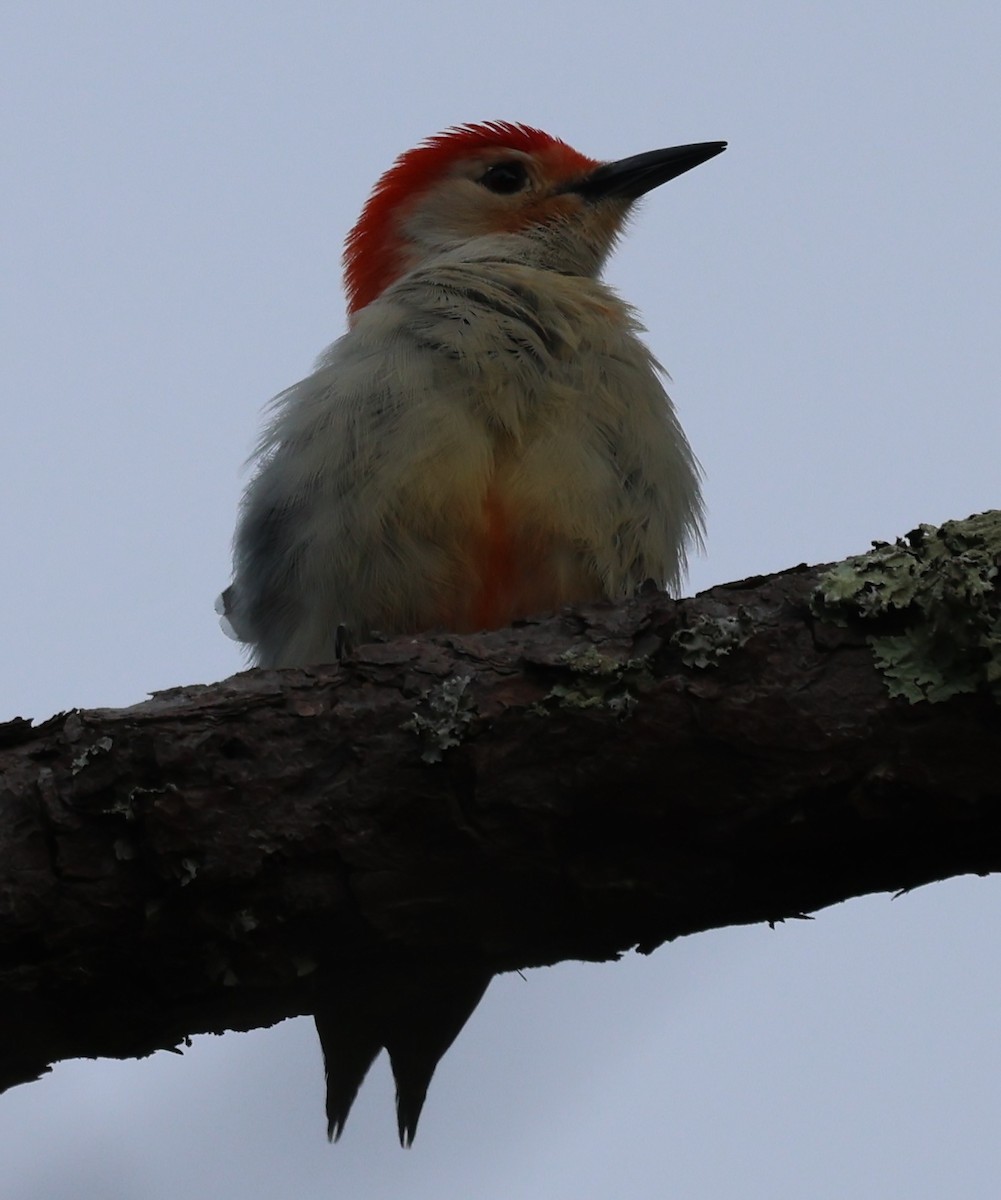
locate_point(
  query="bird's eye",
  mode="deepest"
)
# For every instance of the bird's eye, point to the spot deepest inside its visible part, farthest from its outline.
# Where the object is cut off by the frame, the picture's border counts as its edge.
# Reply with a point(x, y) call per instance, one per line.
point(505, 178)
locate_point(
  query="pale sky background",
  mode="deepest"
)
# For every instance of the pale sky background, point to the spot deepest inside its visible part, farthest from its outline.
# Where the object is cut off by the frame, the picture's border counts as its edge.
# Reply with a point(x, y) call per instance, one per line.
point(178, 178)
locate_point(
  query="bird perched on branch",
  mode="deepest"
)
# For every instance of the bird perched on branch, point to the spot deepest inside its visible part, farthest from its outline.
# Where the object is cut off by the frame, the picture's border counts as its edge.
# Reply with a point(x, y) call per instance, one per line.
point(490, 439)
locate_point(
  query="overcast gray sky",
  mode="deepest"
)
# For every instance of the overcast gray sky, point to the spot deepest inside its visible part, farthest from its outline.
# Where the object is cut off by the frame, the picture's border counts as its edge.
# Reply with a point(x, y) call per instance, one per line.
point(178, 180)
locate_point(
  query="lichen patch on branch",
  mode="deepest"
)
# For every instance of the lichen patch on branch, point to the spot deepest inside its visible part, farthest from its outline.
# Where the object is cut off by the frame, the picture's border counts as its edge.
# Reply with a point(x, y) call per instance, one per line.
point(930, 605)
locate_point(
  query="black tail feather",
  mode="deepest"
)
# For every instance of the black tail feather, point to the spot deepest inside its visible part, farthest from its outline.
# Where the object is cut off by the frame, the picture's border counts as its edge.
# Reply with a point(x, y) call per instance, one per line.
point(414, 1009)
point(441, 1002)
point(351, 1043)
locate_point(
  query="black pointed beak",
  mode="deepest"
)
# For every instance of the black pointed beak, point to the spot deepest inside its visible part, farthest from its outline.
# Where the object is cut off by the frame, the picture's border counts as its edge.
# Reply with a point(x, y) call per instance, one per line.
point(630, 178)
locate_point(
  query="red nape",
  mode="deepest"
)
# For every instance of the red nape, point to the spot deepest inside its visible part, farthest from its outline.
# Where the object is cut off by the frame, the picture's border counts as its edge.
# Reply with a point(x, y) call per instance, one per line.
point(372, 252)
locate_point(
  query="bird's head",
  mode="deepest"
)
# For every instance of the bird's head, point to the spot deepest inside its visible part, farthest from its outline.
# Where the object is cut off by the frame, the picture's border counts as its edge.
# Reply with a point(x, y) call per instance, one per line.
point(498, 178)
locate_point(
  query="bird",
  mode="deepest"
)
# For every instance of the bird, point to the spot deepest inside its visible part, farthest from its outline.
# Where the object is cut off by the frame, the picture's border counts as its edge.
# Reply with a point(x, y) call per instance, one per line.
point(490, 439)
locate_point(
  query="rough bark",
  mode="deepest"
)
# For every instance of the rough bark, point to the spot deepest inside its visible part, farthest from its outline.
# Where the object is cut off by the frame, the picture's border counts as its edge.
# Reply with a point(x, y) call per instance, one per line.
point(570, 788)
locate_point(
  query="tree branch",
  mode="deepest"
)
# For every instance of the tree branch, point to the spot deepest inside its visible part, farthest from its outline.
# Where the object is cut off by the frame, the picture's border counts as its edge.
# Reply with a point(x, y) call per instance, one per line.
point(569, 788)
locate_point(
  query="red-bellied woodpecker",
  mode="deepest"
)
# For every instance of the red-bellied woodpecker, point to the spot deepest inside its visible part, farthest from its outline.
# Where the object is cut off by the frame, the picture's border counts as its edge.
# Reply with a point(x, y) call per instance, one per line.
point(489, 439)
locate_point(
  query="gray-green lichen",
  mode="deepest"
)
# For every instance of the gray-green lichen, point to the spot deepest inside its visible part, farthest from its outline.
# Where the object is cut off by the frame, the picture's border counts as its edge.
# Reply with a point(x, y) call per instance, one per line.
point(446, 713)
point(712, 638)
point(127, 807)
point(590, 661)
point(931, 599)
point(562, 696)
point(598, 681)
point(95, 750)
point(186, 871)
point(125, 850)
